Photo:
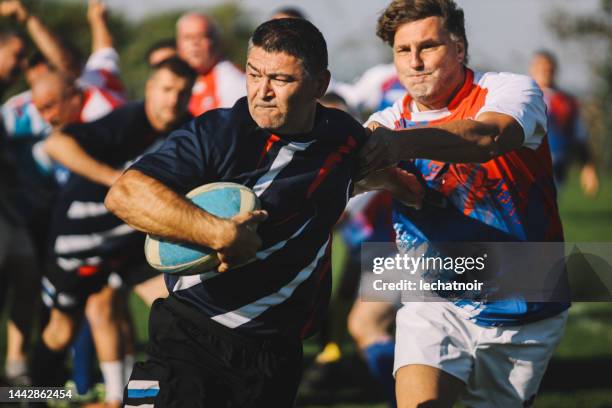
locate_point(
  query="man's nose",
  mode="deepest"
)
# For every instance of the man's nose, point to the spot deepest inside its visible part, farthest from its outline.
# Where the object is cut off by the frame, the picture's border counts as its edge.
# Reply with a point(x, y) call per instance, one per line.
point(416, 62)
point(265, 89)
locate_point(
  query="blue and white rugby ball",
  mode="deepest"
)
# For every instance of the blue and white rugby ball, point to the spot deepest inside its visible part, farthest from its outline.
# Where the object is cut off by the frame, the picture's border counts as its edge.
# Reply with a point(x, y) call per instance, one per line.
point(223, 200)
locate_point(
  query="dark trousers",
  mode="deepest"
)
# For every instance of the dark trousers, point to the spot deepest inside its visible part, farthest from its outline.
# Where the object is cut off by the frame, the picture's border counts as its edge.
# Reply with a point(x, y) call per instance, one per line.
point(196, 362)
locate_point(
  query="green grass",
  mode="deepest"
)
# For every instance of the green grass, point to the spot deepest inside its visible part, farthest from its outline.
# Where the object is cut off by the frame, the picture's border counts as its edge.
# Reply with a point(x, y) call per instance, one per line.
point(579, 372)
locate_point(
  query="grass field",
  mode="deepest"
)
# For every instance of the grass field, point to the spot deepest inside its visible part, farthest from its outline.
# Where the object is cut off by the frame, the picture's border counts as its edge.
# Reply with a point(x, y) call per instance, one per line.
point(579, 374)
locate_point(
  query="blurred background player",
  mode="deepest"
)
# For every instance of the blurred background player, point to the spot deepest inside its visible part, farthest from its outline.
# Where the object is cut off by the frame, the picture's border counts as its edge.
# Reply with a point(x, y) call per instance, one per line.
point(88, 242)
point(17, 256)
point(220, 83)
point(567, 132)
point(52, 71)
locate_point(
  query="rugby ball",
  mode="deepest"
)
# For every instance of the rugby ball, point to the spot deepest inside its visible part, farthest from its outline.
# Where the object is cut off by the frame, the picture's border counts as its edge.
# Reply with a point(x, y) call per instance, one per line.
point(223, 200)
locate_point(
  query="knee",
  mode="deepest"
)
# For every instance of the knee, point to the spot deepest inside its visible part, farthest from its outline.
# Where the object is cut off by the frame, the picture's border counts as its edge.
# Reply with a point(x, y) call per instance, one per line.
point(99, 310)
point(59, 332)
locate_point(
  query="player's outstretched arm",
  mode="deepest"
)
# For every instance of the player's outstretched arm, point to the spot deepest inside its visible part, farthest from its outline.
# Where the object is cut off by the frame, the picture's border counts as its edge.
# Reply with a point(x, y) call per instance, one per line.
point(149, 206)
point(67, 151)
point(101, 36)
point(46, 41)
point(459, 141)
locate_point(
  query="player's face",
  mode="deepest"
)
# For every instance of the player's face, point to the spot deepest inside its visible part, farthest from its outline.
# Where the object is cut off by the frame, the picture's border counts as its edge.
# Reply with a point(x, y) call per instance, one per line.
point(542, 70)
point(166, 99)
point(195, 43)
point(57, 106)
point(429, 62)
point(12, 59)
point(282, 96)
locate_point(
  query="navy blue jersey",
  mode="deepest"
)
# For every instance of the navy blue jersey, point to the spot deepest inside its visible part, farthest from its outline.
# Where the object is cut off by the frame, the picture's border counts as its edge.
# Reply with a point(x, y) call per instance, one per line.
point(303, 181)
point(82, 230)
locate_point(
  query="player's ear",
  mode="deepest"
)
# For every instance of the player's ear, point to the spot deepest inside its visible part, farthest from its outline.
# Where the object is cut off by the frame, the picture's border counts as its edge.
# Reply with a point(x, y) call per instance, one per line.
point(322, 83)
point(460, 47)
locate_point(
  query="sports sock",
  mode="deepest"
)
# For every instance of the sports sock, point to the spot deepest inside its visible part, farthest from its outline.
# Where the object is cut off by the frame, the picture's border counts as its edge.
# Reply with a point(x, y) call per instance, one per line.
point(15, 368)
point(379, 359)
point(47, 366)
point(128, 365)
point(82, 359)
point(112, 372)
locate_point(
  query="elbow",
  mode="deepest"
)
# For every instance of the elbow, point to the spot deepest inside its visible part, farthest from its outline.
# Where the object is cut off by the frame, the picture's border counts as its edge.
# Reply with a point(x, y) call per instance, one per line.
point(116, 197)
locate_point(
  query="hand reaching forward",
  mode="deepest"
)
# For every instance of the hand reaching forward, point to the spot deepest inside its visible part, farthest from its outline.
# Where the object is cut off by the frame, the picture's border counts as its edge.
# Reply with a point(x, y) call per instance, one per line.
point(238, 241)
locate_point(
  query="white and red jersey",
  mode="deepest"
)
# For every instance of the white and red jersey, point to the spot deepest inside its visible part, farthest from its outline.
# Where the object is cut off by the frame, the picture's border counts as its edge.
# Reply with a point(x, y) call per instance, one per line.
point(221, 87)
point(102, 88)
point(102, 92)
point(510, 198)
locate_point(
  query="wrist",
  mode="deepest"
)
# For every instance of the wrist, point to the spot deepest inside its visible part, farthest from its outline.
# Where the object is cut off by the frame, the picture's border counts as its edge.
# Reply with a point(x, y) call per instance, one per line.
point(223, 232)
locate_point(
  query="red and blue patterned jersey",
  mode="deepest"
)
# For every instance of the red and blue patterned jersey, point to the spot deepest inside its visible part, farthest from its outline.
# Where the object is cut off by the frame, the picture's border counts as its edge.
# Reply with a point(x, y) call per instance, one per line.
point(509, 198)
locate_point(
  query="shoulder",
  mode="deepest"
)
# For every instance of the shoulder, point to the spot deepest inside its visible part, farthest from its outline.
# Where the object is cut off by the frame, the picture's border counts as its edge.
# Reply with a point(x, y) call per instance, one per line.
point(388, 117)
point(18, 101)
point(342, 125)
point(505, 80)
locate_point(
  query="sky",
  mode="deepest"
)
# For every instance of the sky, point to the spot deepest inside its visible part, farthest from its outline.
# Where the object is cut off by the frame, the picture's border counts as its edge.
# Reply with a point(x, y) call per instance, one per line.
point(502, 34)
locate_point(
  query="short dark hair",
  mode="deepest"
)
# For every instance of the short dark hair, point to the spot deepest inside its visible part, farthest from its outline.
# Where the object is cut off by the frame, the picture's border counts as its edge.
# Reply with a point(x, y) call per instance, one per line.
point(296, 37)
point(400, 12)
point(157, 45)
point(178, 67)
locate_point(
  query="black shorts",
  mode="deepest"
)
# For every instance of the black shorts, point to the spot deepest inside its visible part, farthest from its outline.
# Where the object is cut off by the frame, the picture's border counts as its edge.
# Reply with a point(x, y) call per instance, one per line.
point(195, 362)
point(68, 290)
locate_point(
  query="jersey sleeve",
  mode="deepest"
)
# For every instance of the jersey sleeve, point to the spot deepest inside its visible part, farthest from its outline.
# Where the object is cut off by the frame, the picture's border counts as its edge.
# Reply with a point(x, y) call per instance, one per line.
point(102, 71)
point(106, 59)
point(183, 162)
point(388, 117)
point(520, 97)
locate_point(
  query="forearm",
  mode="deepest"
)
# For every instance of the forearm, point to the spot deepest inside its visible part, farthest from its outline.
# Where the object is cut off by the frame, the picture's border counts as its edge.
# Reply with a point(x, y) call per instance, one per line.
point(151, 207)
point(461, 141)
point(67, 151)
point(100, 34)
point(51, 46)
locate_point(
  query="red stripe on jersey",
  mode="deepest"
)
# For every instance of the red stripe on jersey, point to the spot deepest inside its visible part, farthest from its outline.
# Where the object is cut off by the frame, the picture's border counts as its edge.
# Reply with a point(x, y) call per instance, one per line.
point(330, 162)
point(269, 143)
point(112, 81)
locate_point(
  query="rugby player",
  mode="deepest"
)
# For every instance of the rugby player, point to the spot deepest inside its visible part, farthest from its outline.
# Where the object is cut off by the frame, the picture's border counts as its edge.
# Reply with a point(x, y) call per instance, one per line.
point(219, 83)
point(88, 242)
point(235, 339)
point(478, 140)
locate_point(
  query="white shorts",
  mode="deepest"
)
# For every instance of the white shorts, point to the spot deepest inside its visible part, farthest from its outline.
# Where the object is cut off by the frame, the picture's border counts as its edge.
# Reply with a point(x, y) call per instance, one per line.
point(501, 366)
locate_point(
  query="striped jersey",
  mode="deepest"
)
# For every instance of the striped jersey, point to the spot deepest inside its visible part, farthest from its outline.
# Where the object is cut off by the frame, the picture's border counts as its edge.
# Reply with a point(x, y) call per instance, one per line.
point(83, 231)
point(303, 182)
point(221, 87)
point(509, 198)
